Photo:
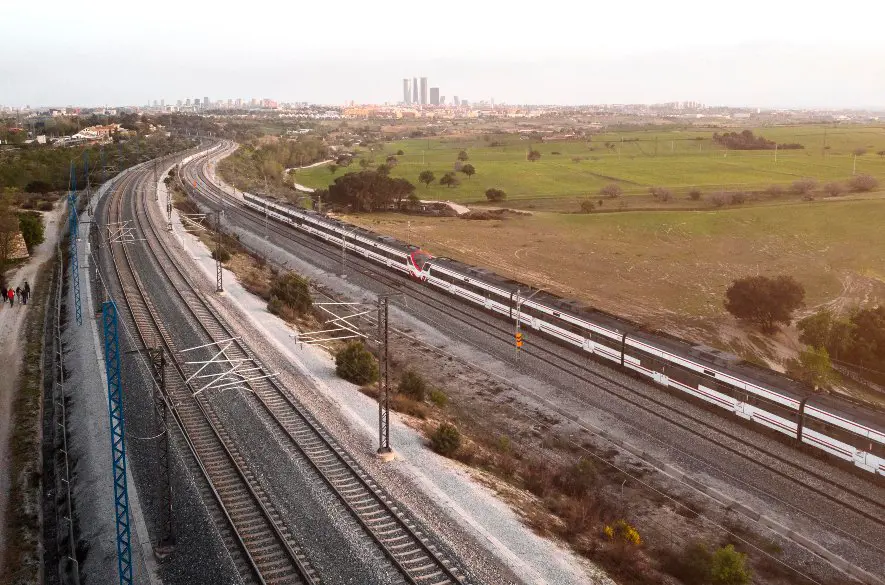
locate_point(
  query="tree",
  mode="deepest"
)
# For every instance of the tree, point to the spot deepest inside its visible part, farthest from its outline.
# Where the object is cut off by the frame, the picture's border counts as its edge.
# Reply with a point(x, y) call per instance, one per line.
point(880, 152)
point(695, 194)
point(804, 186)
point(834, 189)
point(400, 153)
point(824, 329)
point(815, 367)
point(763, 300)
point(356, 364)
point(426, 177)
point(611, 191)
point(587, 206)
point(383, 169)
point(868, 337)
point(462, 156)
point(333, 168)
point(31, 226)
point(449, 180)
point(468, 170)
point(391, 161)
point(368, 191)
point(863, 183)
point(364, 163)
point(729, 567)
point(495, 195)
point(661, 193)
point(533, 155)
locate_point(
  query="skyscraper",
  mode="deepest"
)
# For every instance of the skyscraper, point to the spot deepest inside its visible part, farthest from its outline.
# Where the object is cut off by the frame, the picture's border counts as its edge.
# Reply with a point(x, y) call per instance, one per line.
point(415, 99)
point(188, 102)
point(407, 93)
point(206, 102)
point(423, 91)
point(434, 96)
point(457, 101)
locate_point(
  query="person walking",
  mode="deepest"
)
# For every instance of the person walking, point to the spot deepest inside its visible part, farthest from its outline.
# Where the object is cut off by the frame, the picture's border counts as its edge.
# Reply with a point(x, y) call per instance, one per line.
point(10, 294)
point(18, 293)
point(27, 291)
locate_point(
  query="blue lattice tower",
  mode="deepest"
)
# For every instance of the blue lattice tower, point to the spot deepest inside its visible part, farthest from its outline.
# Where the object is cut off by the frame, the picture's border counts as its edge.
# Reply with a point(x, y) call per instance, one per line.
point(74, 234)
point(118, 440)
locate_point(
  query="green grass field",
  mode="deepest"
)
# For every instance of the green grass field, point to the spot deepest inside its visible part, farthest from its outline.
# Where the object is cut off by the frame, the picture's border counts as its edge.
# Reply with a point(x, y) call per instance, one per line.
point(679, 160)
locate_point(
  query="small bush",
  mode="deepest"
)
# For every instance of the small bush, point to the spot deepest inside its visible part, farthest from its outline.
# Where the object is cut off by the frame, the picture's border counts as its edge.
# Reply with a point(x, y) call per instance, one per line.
point(774, 191)
point(661, 194)
point(611, 191)
point(45, 206)
point(537, 478)
point(446, 439)
point(834, 189)
point(439, 398)
point(587, 206)
point(728, 567)
point(292, 290)
point(31, 226)
point(738, 198)
point(577, 480)
point(356, 364)
point(412, 385)
point(720, 199)
point(400, 153)
point(692, 565)
point(695, 194)
point(621, 531)
point(804, 186)
point(221, 254)
point(863, 183)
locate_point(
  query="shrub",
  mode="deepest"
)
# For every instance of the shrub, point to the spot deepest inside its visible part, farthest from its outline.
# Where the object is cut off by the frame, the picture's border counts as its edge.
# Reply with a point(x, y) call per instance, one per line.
point(661, 193)
point(738, 198)
point(804, 186)
point(623, 532)
point(221, 254)
point(863, 183)
point(728, 567)
point(720, 199)
point(587, 206)
point(577, 480)
point(356, 364)
point(446, 439)
point(412, 385)
point(449, 180)
point(495, 195)
point(537, 477)
point(400, 153)
point(439, 398)
point(695, 194)
point(692, 566)
point(293, 291)
point(462, 156)
point(611, 191)
point(774, 191)
point(45, 206)
point(834, 189)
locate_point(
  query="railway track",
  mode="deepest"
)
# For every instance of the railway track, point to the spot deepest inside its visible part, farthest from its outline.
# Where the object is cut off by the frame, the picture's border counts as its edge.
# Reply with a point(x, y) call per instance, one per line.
point(269, 553)
point(407, 548)
point(870, 508)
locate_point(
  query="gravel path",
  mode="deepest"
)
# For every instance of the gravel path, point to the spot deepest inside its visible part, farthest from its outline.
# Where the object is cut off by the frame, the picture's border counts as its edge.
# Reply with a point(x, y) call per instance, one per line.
point(12, 320)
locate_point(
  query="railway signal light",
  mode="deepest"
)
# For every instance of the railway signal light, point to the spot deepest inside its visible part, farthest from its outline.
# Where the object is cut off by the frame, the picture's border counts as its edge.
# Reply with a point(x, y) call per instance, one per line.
point(518, 337)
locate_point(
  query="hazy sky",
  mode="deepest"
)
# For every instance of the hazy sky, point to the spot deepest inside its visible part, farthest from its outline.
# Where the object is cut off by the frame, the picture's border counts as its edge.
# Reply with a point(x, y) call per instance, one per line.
point(758, 53)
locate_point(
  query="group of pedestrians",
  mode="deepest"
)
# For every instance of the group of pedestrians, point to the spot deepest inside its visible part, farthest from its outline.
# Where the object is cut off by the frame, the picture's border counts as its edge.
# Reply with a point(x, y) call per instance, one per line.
point(23, 294)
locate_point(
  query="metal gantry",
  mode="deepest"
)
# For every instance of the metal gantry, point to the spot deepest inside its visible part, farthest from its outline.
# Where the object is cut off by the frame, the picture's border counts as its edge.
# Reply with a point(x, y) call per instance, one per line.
point(118, 441)
point(222, 372)
point(73, 222)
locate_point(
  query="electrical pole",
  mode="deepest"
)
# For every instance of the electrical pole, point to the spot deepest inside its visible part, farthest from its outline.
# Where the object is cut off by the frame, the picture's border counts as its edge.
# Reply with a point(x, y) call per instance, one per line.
point(164, 486)
point(383, 377)
point(219, 285)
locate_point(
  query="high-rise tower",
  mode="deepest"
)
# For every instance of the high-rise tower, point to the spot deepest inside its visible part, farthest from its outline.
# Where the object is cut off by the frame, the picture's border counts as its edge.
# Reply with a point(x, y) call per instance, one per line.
point(423, 91)
point(415, 90)
point(407, 93)
point(434, 96)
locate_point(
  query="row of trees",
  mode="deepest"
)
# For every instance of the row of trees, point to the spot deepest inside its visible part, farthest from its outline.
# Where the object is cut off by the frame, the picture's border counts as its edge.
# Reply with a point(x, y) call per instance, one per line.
point(858, 338)
point(746, 140)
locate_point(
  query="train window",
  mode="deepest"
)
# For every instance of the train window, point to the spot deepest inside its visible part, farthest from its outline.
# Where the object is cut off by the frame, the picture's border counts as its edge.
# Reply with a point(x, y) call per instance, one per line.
point(710, 373)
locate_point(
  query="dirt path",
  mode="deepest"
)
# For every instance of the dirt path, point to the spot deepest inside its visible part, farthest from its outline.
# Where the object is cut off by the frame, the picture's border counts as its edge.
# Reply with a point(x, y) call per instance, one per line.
point(12, 321)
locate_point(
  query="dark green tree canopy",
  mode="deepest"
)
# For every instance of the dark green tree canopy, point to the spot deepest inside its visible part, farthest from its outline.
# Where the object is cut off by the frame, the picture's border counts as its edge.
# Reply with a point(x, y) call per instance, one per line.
point(368, 191)
point(763, 300)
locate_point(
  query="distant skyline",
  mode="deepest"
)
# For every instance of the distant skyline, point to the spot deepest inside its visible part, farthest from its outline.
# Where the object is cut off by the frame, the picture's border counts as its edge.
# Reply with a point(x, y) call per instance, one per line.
point(761, 54)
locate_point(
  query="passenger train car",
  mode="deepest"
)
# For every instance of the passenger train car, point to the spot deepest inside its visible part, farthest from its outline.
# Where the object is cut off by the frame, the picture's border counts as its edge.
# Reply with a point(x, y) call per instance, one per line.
point(722, 380)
